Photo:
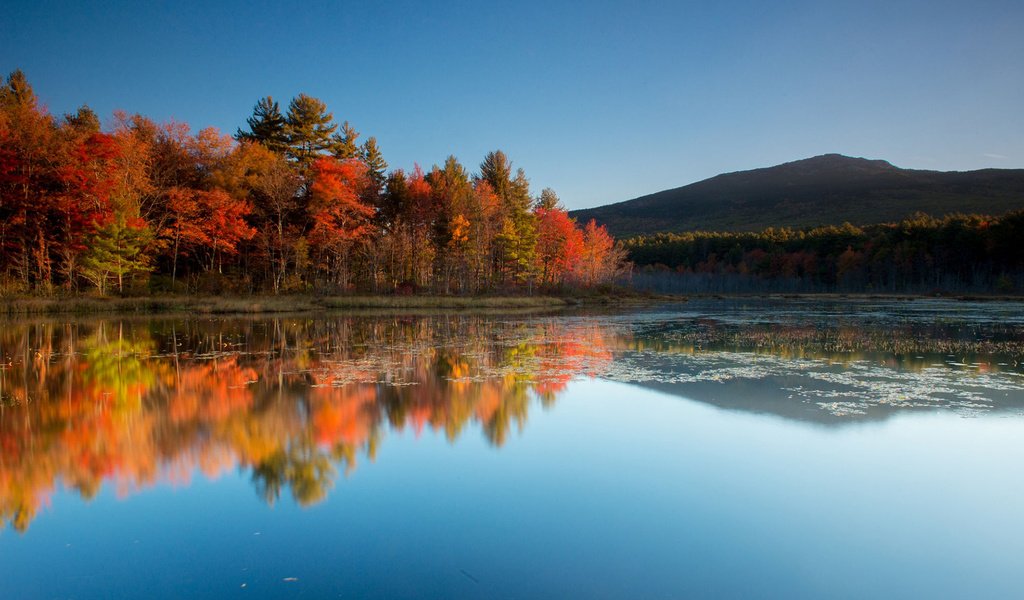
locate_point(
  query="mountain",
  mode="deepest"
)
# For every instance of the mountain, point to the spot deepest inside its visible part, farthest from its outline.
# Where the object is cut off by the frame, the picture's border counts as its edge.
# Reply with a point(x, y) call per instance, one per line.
point(824, 190)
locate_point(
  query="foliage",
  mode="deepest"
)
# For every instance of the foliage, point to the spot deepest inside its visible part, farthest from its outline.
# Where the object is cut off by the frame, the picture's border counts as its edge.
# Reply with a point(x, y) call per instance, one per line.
point(291, 204)
point(116, 252)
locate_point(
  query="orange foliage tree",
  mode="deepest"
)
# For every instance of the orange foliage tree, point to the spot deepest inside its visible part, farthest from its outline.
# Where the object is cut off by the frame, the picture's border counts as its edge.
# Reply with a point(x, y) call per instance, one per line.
point(341, 219)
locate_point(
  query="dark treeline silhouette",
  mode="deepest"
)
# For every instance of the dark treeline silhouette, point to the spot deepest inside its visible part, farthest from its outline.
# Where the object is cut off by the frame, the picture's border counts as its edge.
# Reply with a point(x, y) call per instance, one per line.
point(922, 254)
point(291, 204)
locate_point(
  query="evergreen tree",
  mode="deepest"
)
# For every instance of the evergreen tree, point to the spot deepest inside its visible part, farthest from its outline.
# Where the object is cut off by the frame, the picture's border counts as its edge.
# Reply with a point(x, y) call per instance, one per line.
point(548, 199)
point(84, 121)
point(518, 237)
point(266, 126)
point(496, 170)
point(454, 173)
point(17, 92)
point(374, 160)
point(115, 252)
point(520, 211)
point(309, 129)
point(345, 142)
point(394, 202)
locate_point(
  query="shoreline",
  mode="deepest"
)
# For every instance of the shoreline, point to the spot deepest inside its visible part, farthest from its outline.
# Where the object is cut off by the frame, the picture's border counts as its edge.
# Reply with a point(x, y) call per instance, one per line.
point(86, 305)
point(204, 305)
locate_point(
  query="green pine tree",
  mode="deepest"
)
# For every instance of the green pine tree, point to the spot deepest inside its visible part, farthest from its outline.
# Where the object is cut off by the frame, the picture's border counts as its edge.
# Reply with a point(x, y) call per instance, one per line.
point(497, 171)
point(85, 120)
point(345, 142)
point(373, 158)
point(116, 253)
point(309, 129)
point(266, 126)
point(517, 241)
point(520, 206)
point(548, 199)
point(17, 92)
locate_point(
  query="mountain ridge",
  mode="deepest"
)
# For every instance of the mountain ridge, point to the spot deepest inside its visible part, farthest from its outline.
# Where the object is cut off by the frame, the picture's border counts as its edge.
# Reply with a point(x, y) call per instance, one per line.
point(827, 189)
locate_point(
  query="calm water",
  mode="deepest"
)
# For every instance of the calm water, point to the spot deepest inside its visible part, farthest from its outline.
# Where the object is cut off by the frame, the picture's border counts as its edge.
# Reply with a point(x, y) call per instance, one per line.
point(718, 449)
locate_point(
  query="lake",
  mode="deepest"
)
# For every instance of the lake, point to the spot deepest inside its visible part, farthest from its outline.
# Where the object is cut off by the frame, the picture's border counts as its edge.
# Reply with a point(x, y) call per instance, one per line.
point(714, 448)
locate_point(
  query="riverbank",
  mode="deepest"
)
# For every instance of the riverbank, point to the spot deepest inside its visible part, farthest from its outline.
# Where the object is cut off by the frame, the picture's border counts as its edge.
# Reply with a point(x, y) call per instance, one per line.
point(298, 303)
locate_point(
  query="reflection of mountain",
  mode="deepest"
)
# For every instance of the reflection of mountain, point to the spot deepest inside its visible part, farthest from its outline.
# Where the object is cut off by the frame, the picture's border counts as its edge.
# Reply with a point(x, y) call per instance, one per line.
point(829, 375)
point(845, 398)
point(138, 402)
point(766, 396)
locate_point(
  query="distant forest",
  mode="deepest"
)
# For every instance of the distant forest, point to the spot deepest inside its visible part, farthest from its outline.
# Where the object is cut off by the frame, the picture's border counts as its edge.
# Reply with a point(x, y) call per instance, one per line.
point(292, 203)
point(922, 254)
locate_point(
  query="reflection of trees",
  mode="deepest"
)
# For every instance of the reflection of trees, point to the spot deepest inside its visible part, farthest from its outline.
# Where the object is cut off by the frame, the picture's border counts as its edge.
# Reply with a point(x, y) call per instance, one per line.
point(290, 400)
point(306, 471)
point(903, 346)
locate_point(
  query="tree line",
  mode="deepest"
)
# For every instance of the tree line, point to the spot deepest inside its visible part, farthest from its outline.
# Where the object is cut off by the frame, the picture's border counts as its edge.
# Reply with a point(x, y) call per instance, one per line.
point(292, 203)
point(921, 254)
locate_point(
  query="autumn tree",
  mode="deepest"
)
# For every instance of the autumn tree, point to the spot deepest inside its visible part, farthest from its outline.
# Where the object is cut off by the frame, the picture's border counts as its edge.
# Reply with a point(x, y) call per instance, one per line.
point(601, 261)
point(206, 225)
point(78, 203)
point(486, 216)
point(271, 186)
point(452, 197)
point(83, 205)
point(559, 242)
point(31, 155)
point(340, 217)
point(420, 218)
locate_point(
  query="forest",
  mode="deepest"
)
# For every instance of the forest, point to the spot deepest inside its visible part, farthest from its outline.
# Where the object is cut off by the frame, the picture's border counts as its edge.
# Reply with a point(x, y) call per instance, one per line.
point(294, 203)
point(921, 254)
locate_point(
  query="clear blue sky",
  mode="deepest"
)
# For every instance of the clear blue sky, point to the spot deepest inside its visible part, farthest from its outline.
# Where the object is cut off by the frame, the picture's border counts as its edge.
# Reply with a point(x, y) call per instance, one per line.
point(601, 101)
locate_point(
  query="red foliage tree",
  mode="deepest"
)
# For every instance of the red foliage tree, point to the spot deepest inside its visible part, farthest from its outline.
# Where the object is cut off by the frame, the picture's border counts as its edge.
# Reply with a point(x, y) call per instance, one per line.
point(340, 215)
point(89, 176)
point(600, 260)
point(559, 244)
point(205, 224)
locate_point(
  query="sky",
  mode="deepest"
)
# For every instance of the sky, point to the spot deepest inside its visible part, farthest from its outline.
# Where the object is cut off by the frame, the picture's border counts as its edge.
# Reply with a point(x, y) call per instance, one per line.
point(601, 101)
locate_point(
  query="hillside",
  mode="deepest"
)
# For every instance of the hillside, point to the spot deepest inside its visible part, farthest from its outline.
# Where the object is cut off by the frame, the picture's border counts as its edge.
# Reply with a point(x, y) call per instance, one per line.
point(827, 189)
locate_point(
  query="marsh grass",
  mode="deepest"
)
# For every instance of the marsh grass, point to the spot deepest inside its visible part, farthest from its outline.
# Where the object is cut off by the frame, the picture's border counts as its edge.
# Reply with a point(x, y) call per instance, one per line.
point(267, 304)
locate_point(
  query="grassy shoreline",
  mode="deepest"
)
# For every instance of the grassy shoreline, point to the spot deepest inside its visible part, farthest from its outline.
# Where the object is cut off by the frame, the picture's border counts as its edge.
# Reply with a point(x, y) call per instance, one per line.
point(85, 305)
point(290, 304)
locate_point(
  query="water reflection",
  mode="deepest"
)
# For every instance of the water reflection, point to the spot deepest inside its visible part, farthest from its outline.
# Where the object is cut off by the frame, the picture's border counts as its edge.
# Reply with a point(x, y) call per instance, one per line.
point(295, 403)
point(836, 362)
point(290, 401)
